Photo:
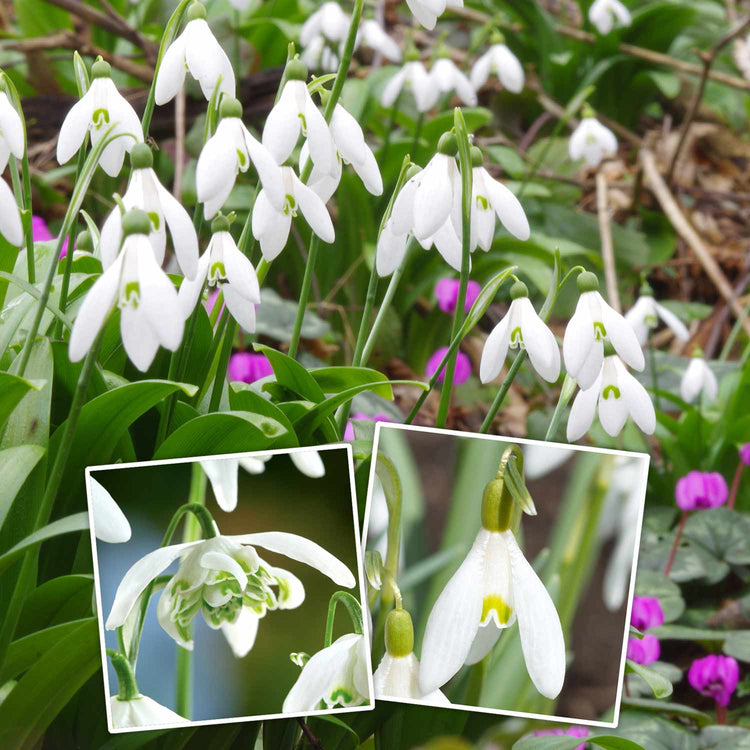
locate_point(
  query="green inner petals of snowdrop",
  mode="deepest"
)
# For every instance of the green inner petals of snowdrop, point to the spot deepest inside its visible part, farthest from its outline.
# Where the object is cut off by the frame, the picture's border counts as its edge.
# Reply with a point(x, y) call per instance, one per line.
point(304, 124)
point(339, 695)
point(516, 338)
point(241, 159)
point(100, 117)
point(613, 389)
point(495, 603)
point(155, 220)
point(290, 205)
point(482, 203)
point(600, 332)
point(131, 295)
point(217, 274)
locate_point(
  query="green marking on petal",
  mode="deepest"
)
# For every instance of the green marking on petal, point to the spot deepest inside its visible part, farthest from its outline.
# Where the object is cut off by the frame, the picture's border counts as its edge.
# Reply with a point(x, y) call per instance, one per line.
point(241, 158)
point(155, 220)
point(482, 203)
point(100, 117)
point(496, 603)
point(217, 273)
point(516, 338)
point(340, 694)
point(304, 124)
point(290, 205)
point(131, 294)
point(613, 389)
point(600, 332)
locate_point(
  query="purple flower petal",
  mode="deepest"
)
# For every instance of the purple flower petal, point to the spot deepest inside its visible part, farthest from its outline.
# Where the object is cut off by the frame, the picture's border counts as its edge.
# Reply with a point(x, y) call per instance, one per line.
point(446, 291)
point(248, 368)
point(461, 373)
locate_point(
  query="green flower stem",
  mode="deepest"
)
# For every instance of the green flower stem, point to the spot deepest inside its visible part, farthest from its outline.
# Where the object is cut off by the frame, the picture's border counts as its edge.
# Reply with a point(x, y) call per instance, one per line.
point(504, 388)
point(24, 210)
point(221, 369)
point(417, 133)
point(213, 355)
point(464, 159)
point(567, 390)
point(389, 131)
point(127, 686)
point(654, 376)
point(338, 85)
point(729, 343)
point(352, 607)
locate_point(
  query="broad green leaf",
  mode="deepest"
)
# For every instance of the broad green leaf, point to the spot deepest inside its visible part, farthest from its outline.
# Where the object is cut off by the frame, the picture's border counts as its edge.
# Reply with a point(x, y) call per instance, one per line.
point(292, 375)
point(68, 597)
point(686, 633)
point(12, 390)
point(664, 707)
point(660, 686)
point(225, 432)
point(275, 316)
point(737, 645)
point(725, 738)
point(67, 525)
point(724, 532)
point(243, 398)
point(337, 379)
point(15, 466)
point(609, 742)
point(655, 583)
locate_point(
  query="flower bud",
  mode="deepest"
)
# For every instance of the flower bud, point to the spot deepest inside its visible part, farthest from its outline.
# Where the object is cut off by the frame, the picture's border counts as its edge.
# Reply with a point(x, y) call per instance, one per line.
point(399, 633)
point(220, 224)
point(497, 506)
point(477, 158)
point(84, 241)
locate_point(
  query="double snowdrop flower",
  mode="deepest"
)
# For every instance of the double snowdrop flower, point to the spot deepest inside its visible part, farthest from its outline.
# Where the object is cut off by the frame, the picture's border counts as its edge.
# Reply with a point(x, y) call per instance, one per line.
point(110, 523)
point(225, 268)
point(591, 141)
point(147, 193)
point(413, 77)
point(644, 317)
point(150, 314)
point(101, 107)
point(140, 711)
point(604, 14)
point(593, 324)
point(224, 578)
point(448, 78)
point(616, 394)
point(11, 142)
point(397, 675)
point(230, 150)
point(351, 148)
point(698, 380)
point(493, 587)
point(498, 60)
point(521, 328)
point(197, 51)
point(336, 676)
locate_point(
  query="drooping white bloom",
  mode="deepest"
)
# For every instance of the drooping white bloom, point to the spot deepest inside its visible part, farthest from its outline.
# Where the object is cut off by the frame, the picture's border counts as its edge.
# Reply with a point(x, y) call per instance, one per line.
point(540, 459)
point(604, 14)
point(197, 51)
point(229, 151)
point(318, 55)
point(500, 61)
point(449, 78)
point(644, 315)
point(593, 324)
point(521, 328)
point(438, 191)
point(351, 148)
point(99, 108)
point(428, 11)
point(164, 210)
point(11, 131)
point(616, 394)
point(226, 268)
point(271, 225)
point(10, 218)
point(225, 579)
point(698, 380)
point(295, 113)
point(328, 21)
point(494, 586)
point(591, 141)
point(372, 35)
point(414, 77)
point(309, 463)
point(150, 314)
point(141, 711)
point(336, 676)
point(110, 523)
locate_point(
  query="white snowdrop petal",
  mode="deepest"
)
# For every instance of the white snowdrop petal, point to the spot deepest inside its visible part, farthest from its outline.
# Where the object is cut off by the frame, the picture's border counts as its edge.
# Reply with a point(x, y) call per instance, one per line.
point(592, 365)
point(184, 238)
point(159, 300)
point(282, 128)
point(484, 641)
point(508, 208)
point(314, 211)
point(74, 128)
point(217, 163)
point(480, 71)
point(220, 561)
point(578, 338)
point(10, 219)
point(623, 337)
point(141, 712)
point(309, 463)
point(222, 473)
point(240, 272)
point(692, 381)
point(241, 633)
point(540, 342)
point(582, 412)
point(392, 89)
point(268, 170)
point(11, 127)
point(110, 523)
point(612, 410)
point(241, 309)
point(675, 324)
point(509, 69)
point(638, 402)
point(433, 198)
point(171, 73)
point(390, 251)
point(139, 340)
point(495, 351)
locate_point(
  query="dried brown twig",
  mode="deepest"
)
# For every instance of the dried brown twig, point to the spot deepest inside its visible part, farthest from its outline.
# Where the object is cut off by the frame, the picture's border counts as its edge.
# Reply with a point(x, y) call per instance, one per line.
point(608, 248)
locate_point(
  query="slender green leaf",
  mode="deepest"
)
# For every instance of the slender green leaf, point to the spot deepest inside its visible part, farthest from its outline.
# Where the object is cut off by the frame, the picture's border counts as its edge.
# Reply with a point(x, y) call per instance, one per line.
point(292, 375)
point(337, 379)
point(12, 390)
point(15, 466)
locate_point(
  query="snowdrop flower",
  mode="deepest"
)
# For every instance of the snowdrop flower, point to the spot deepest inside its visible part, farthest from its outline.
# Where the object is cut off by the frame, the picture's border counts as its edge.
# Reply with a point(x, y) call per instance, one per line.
point(414, 77)
point(99, 108)
point(224, 578)
point(593, 324)
point(438, 190)
point(227, 268)
point(644, 317)
point(698, 380)
point(617, 394)
point(222, 473)
point(351, 148)
point(197, 51)
point(397, 676)
point(140, 711)
point(329, 21)
point(110, 523)
point(149, 311)
point(591, 141)
point(229, 151)
point(490, 199)
point(448, 78)
point(371, 33)
point(521, 328)
point(318, 55)
point(337, 676)
point(309, 463)
point(295, 113)
point(500, 61)
point(147, 193)
point(494, 586)
point(428, 11)
point(271, 225)
point(11, 132)
point(10, 218)
point(604, 14)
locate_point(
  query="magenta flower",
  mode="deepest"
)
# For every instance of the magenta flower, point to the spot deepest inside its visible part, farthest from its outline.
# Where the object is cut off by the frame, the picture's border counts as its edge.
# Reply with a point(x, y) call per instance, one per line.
point(745, 454)
point(644, 650)
point(446, 291)
point(349, 431)
point(646, 612)
point(463, 366)
point(699, 490)
point(573, 731)
point(39, 230)
point(247, 367)
point(209, 303)
point(715, 676)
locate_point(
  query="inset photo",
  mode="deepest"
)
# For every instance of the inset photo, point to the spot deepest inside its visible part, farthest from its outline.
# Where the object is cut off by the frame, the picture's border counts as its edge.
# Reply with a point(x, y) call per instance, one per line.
point(229, 588)
point(501, 572)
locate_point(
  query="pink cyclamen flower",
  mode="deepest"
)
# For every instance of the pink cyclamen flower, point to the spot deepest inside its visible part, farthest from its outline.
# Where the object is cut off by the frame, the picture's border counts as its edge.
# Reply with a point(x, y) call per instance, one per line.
point(40, 233)
point(699, 490)
point(569, 732)
point(248, 367)
point(446, 291)
point(462, 371)
point(349, 431)
point(715, 676)
point(209, 303)
point(745, 454)
point(644, 650)
point(646, 612)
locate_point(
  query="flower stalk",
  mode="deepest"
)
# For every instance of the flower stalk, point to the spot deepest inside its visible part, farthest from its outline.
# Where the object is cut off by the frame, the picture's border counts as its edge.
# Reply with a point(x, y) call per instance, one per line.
point(353, 608)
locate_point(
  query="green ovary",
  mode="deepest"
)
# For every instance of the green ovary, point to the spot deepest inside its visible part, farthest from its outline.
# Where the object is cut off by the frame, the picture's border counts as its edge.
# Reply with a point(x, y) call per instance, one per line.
point(499, 605)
